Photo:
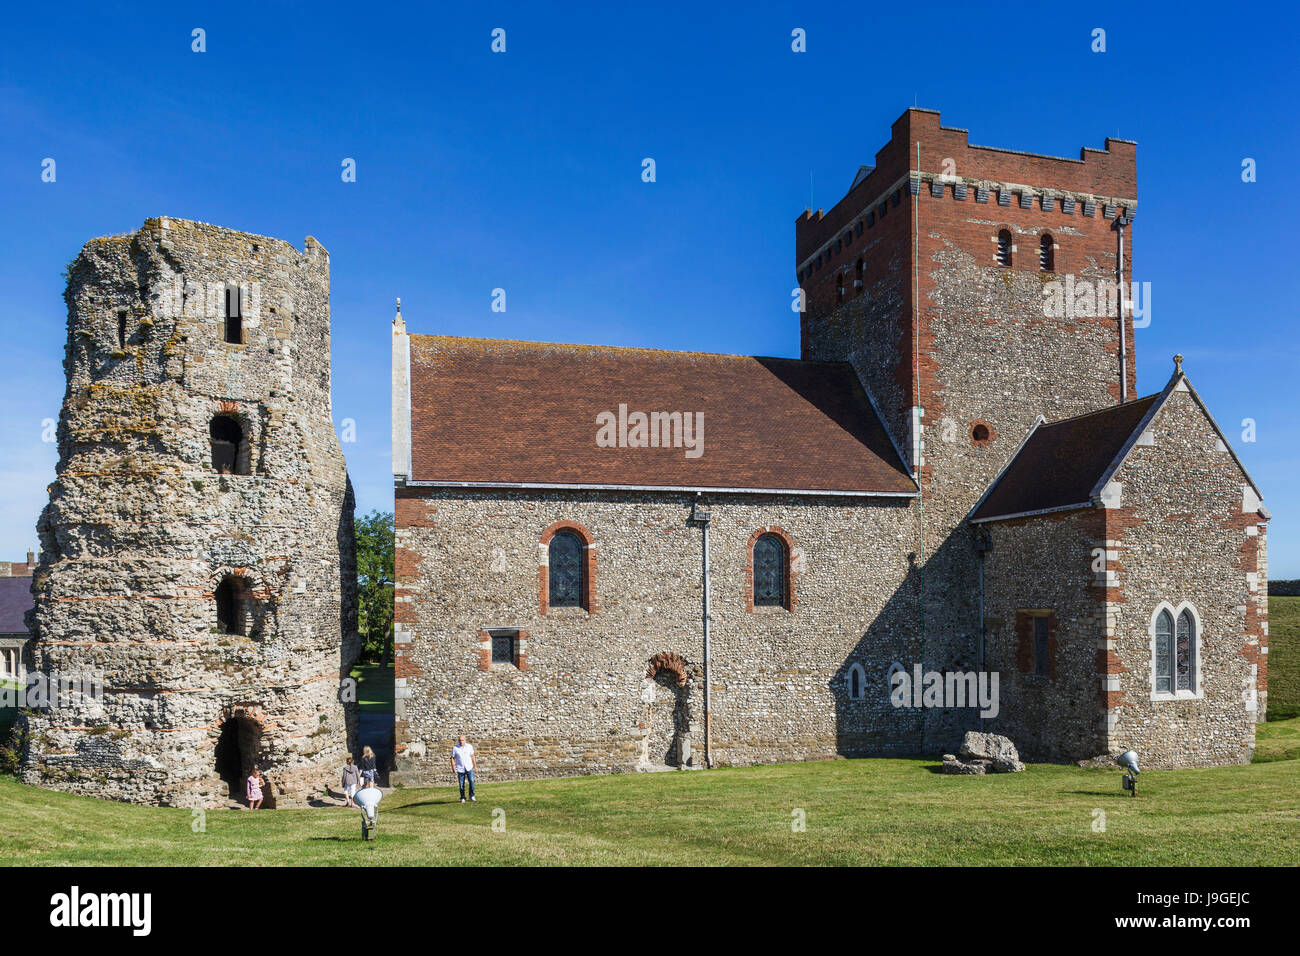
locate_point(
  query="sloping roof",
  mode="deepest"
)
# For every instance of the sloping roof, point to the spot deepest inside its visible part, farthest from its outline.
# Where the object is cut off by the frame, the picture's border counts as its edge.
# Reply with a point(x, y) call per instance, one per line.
point(1060, 463)
point(15, 600)
point(495, 412)
point(1064, 464)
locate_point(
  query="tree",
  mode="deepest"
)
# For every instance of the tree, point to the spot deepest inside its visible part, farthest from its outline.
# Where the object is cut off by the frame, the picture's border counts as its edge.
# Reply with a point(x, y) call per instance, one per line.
point(374, 535)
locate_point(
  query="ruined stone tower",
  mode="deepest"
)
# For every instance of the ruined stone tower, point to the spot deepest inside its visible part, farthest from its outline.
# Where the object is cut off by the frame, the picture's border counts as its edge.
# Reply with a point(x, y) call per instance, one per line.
point(197, 549)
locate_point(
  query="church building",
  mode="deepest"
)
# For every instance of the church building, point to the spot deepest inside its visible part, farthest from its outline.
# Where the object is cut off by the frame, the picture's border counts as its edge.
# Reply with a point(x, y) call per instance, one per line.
point(617, 559)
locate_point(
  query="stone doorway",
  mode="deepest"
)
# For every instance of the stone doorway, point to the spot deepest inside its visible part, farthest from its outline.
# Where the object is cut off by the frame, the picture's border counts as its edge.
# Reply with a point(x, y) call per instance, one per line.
point(666, 725)
point(236, 752)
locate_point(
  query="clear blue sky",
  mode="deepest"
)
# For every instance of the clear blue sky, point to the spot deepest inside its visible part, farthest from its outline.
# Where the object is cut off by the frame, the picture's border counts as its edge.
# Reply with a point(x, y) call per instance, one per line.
point(522, 170)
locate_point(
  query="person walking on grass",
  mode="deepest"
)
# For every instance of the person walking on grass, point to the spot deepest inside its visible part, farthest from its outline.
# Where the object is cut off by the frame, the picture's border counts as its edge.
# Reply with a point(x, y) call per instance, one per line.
point(368, 798)
point(367, 765)
point(351, 780)
point(255, 783)
point(464, 765)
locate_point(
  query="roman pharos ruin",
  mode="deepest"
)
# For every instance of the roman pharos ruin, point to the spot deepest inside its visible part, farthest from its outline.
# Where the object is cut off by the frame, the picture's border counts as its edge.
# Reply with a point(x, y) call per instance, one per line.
point(196, 588)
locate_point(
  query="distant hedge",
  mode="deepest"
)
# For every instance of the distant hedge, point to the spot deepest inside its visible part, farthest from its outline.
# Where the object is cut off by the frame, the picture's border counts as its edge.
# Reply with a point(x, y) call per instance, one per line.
point(1284, 588)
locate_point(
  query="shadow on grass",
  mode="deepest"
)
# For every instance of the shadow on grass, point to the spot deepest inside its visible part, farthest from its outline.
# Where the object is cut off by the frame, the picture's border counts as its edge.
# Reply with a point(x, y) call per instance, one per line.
point(425, 803)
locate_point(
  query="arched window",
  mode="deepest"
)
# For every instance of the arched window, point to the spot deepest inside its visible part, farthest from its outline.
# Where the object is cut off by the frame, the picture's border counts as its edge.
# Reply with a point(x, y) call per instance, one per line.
point(1004, 248)
point(839, 288)
point(230, 606)
point(1046, 254)
point(771, 572)
point(1185, 652)
point(1164, 653)
point(857, 682)
point(859, 273)
point(1174, 636)
point(566, 575)
point(229, 447)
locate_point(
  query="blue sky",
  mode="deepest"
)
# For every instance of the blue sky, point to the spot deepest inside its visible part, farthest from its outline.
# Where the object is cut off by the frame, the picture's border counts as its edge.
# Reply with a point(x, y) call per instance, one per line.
point(522, 170)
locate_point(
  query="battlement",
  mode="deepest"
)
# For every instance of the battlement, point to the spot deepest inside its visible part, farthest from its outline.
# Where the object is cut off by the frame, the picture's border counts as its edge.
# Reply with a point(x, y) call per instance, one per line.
point(1100, 176)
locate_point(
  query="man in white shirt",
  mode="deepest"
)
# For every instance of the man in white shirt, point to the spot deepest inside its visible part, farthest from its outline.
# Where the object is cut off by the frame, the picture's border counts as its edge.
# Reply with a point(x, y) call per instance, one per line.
point(464, 764)
point(367, 799)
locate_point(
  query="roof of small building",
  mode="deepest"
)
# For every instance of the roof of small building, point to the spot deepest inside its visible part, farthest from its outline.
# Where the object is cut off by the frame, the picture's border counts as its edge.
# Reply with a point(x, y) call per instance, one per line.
point(15, 601)
point(1066, 464)
point(495, 412)
point(1061, 462)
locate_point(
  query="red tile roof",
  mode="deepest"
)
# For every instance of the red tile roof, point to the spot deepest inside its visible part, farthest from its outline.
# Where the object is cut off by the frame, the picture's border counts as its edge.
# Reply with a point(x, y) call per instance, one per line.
point(1061, 462)
point(503, 412)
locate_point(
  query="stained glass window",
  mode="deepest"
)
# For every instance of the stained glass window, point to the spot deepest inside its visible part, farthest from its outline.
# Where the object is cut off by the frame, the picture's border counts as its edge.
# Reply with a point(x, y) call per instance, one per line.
point(769, 572)
point(1164, 653)
point(566, 570)
point(1185, 639)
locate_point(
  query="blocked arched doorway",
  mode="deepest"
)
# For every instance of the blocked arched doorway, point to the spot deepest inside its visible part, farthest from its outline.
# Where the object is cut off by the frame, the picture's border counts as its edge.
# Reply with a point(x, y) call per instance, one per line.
point(666, 740)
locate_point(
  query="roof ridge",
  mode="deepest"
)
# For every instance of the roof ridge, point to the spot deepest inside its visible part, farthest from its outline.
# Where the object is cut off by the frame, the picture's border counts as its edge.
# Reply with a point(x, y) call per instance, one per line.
point(1102, 411)
point(576, 346)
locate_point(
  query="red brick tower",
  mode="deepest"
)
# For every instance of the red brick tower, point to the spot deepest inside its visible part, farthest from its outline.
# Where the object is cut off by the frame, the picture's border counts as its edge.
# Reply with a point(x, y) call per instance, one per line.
point(941, 277)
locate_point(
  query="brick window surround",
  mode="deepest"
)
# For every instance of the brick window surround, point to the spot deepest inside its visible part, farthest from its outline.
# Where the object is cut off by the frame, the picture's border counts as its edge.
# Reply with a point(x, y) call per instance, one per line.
point(589, 602)
point(1025, 641)
point(485, 648)
point(791, 575)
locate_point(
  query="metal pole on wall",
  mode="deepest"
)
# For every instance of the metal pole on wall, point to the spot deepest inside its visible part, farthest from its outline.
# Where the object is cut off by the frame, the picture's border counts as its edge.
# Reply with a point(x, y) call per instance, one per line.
point(702, 519)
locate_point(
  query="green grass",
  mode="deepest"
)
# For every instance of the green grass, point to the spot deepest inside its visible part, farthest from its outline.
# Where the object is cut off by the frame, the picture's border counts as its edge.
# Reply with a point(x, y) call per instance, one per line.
point(1283, 657)
point(1277, 740)
point(374, 688)
point(898, 812)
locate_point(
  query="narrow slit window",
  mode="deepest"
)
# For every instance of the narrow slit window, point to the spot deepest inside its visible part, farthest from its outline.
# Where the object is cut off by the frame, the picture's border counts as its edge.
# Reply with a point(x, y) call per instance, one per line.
point(1004, 248)
point(121, 330)
point(234, 315)
point(1046, 254)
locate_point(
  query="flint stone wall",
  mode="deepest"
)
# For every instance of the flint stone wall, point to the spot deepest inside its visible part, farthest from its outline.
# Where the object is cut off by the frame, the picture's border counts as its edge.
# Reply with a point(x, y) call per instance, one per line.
point(468, 562)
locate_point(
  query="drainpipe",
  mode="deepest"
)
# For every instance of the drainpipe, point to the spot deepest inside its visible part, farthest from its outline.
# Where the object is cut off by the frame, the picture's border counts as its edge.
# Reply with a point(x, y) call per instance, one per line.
point(983, 545)
point(701, 518)
point(1120, 223)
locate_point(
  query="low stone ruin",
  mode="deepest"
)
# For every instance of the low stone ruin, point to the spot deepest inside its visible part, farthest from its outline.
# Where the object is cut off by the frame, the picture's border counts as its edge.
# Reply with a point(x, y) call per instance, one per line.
point(983, 753)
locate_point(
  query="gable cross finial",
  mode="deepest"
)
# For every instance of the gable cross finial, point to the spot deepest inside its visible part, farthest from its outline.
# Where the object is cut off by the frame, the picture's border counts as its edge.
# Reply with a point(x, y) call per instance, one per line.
point(1178, 364)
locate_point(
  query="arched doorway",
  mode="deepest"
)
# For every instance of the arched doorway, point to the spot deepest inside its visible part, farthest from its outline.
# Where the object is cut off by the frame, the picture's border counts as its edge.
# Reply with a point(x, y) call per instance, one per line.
point(237, 751)
point(667, 723)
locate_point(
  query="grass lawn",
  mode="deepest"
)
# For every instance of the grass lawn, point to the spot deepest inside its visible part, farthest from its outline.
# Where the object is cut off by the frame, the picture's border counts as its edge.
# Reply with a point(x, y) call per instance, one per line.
point(1283, 657)
point(856, 811)
point(374, 688)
